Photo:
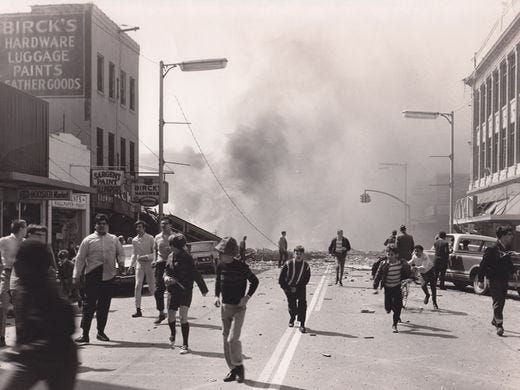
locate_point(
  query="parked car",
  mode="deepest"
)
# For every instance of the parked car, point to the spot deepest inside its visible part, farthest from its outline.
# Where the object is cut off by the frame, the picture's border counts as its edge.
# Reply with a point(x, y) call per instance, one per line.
point(127, 278)
point(466, 251)
point(204, 254)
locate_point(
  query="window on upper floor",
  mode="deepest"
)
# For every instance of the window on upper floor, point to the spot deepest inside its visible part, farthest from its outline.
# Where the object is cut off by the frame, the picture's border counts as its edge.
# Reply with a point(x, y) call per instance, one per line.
point(122, 92)
point(111, 80)
point(503, 84)
point(99, 147)
point(512, 76)
point(132, 93)
point(111, 150)
point(122, 151)
point(132, 157)
point(100, 73)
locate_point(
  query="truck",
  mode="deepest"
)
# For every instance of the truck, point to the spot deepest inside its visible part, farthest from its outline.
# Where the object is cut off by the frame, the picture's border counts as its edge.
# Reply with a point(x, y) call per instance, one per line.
point(204, 255)
point(466, 251)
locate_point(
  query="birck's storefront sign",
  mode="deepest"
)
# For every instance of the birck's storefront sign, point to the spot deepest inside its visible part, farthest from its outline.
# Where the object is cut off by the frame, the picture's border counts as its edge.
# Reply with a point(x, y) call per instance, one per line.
point(43, 54)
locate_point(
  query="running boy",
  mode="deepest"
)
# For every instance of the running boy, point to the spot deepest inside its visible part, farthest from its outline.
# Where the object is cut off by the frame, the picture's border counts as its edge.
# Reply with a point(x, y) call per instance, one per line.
point(392, 271)
point(231, 282)
point(179, 275)
point(293, 280)
point(422, 263)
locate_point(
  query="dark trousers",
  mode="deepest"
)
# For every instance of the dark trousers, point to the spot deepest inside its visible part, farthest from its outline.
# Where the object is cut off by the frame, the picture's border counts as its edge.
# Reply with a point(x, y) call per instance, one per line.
point(297, 302)
point(428, 278)
point(394, 301)
point(282, 259)
point(59, 373)
point(160, 287)
point(440, 271)
point(498, 290)
point(98, 295)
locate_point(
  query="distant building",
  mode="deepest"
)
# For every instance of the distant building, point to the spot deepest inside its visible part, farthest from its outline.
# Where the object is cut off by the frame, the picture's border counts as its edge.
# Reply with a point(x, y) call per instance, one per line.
point(493, 195)
point(86, 68)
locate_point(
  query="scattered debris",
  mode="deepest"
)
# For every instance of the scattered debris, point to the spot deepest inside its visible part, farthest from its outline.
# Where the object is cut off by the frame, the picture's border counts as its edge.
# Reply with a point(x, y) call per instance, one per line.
point(326, 354)
point(368, 337)
point(312, 334)
point(370, 311)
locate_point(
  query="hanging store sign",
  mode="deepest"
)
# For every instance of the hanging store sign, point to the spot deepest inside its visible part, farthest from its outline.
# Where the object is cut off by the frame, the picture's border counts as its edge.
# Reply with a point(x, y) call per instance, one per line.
point(43, 54)
point(77, 202)
point(43, 194)
point(107, 181)
point(146, 191)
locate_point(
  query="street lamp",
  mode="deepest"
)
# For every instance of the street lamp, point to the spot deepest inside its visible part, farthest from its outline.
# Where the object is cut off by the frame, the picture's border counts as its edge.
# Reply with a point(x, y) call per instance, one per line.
point(387, 165)
point(449, 116)
point(187, 66)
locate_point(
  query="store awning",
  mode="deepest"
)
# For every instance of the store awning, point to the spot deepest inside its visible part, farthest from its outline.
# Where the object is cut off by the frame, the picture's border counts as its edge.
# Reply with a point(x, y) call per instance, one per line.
point(16, 180)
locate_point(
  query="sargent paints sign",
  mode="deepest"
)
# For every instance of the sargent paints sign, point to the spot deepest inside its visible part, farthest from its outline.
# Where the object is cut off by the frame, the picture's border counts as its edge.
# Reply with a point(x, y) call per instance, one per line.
point(43, 54)
point(107, 181)
point(43, 194)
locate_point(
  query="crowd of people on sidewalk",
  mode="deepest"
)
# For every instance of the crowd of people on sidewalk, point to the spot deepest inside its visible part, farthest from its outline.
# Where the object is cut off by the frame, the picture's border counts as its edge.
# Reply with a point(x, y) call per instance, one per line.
point(44, 318)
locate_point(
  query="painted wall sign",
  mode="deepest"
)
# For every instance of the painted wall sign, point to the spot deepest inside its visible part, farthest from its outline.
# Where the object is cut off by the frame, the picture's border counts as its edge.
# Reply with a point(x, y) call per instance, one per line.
point(107, 181)
point(43, 54)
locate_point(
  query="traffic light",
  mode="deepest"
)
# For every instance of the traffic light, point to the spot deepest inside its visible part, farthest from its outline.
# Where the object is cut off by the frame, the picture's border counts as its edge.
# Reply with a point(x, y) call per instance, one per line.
point(364, 197)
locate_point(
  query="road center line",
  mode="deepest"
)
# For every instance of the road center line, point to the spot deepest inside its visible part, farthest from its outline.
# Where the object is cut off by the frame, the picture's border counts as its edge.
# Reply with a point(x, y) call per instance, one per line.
point(283, 367)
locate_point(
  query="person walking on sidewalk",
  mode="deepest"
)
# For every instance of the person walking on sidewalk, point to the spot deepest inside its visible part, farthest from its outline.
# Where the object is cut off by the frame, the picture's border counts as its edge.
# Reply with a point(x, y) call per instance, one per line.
point(162, 251)
point(142, 258)
point(179, 275)
point(293, 280)
point(442, 255)
point(497, 266)
point(282, 250)
point(97, 256)
point(231, 283)
point(44, 349)
point(405, 244)
point(242, 249)
point(339, 247)
point(392, 271)
point(422, 263)
point(8, 248)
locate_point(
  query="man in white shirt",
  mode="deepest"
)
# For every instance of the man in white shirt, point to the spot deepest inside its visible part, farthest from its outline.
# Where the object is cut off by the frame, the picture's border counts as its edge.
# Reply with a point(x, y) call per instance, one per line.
point(8, 249)
point(422, 263)
point(97, 256)
point(142, 259)
point(162, 251)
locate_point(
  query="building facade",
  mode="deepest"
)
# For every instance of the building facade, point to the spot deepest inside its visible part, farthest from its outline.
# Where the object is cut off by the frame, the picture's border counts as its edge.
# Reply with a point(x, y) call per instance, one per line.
point(493, 195)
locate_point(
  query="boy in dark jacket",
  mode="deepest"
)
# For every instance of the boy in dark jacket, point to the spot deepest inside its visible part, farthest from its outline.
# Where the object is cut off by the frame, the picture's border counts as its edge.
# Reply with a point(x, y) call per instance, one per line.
point(65, 269)
point(179, 274)
point(293, 279)
point(44, 348)
point(390, 274)
point(231, 282)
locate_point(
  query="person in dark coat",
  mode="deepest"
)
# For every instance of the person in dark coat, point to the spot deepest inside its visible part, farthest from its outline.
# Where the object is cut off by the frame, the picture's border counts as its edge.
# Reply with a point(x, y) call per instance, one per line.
point(442, 256)
point(179, 274)
point(391, 239)
point(293, 280)
point(339, 247)
point(44, 349)
point(497, 266)
point(405, 244)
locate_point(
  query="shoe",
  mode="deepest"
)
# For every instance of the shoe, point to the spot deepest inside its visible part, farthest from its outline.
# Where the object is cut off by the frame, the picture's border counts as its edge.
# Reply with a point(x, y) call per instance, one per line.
point(399, 319)
point(291, 323)
point(303, 329)
point(160, 319)
point(341, 283)
point(102, 337)
point(184, 350)
point(426, 299)
point(231, 376)
point(500, 330)
point(493, 322)
point(83, 339)
point(394, 329)
point(137, 314)
point(2, 342)
point(239, 370)
point(336, 281)
point(172, 342)
point(435, 306)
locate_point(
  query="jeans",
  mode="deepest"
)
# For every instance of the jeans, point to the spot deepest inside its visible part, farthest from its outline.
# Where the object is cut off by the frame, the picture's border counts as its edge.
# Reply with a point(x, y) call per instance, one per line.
point(394, 301)
point(4, 299)
point(160, 287)
point(141, 270)
point(429, 278)
point(440, 271)
point(498, 290)
point(297, 302)
point(98, 296)
point(340, 266)
point(232, 321)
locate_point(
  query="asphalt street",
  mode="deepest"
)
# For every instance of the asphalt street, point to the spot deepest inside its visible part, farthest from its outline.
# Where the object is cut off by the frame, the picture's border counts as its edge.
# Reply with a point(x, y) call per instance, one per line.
point(349, 342)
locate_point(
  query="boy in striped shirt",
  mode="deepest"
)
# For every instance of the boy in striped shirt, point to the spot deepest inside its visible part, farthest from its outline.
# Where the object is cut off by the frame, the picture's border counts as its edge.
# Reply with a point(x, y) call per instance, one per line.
point(293, 279)
point(391, 272)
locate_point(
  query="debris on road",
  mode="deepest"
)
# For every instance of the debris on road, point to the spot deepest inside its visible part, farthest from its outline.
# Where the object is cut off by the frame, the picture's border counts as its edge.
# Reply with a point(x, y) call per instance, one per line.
point(326, 354)
point(370, 311)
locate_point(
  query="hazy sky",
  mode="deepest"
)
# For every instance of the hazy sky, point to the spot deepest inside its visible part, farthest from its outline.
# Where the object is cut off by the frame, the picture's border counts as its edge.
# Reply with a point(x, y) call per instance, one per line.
point(309, 104)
